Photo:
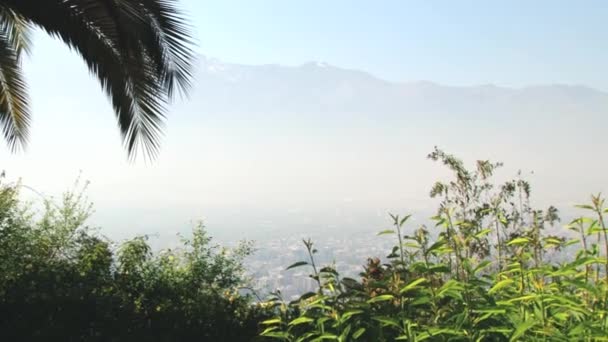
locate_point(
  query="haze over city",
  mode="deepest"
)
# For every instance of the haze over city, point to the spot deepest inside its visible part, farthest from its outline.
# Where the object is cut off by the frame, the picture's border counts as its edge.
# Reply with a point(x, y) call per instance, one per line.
point(305, 132)
point(271, 137)
point(337, 166)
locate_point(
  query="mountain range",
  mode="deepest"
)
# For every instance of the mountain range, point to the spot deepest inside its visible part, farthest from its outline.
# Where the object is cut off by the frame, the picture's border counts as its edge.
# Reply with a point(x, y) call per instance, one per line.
point(269, 148)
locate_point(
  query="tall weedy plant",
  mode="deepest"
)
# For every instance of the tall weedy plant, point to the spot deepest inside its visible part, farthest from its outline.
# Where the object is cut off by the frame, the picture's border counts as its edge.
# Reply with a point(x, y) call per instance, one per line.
point(487, 276)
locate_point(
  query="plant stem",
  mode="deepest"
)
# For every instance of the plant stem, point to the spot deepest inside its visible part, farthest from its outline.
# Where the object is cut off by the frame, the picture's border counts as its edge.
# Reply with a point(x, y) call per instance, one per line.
point(498, 247)
point(603, 226)
point(400, 243)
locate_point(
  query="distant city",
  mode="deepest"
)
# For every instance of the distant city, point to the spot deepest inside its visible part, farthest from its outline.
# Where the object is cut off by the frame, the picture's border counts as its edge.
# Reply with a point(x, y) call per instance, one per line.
point(347, 252)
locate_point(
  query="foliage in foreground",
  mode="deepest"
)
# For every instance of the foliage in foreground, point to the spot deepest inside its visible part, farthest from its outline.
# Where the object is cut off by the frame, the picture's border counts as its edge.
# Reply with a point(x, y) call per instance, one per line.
point(488, 271)
point(59, 281)
point(491, 273)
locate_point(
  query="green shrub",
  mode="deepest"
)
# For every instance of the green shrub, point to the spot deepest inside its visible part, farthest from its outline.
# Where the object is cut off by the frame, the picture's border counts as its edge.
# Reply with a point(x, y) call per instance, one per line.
point(486, 276)
point(60, 281)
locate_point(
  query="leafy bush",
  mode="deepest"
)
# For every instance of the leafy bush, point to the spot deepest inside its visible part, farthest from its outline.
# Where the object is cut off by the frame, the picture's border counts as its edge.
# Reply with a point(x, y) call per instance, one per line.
point(60, 281)
point(486, 276)
point(488, 271)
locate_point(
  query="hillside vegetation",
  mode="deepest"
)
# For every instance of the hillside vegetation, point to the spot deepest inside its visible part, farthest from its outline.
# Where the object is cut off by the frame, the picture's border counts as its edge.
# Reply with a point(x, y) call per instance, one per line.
point(487, 276)
point(488, 270)
point(62, 281)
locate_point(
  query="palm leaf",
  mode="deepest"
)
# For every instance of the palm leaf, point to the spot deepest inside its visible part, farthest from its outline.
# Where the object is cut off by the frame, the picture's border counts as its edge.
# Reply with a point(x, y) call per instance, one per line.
point(138, 50)
point(173, 39)
point(14, 110)
point(17, 29)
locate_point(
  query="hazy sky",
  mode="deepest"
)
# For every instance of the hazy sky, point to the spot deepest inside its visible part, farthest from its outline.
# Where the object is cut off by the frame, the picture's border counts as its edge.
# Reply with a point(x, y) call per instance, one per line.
point(509, 43)
point(465, 42)
point(244, 174)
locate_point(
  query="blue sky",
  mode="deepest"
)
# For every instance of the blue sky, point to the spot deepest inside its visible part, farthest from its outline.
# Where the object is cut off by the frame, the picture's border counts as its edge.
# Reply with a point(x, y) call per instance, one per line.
point(465, 42)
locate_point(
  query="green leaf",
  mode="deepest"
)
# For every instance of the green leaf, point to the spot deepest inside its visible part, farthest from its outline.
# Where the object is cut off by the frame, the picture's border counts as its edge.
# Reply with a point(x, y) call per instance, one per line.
point(518, 241)
point(297, 264)
point(322, 320)
point(272, 321)
point(440, 268)
point(412, 285)
point(358, 333)
point(278, 334)
point(588, 261)
point(387, 321)
point(500, 285)
point(381, 298)
point(386, 232)
point(452, 289)
point(492, 311)
point(435, 246)
point(553, 241)
point(420, 300)
point(349, 314)
point(268, 330)
point(326, 336)
point(522, 298)
point(521, 329)
point(482, 265)
point(571, 242)
point(307, 335)
point(403, 220)
point(301, 320)
point(345, 332)
point(483, 233)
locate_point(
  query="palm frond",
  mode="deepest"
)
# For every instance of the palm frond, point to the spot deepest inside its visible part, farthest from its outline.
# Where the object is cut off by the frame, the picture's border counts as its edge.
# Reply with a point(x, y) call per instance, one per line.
point(139, 50)
point(14, 110)
point(17, 29)
point(173, 36)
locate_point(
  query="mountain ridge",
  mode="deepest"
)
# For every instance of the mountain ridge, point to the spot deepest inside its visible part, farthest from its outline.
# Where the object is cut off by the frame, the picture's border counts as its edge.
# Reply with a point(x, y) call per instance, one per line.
point(211, 65)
